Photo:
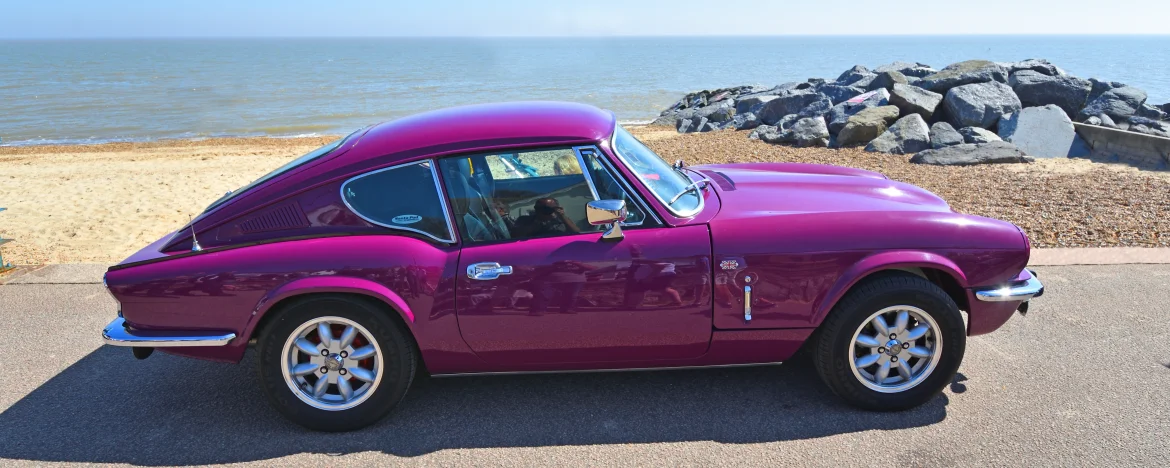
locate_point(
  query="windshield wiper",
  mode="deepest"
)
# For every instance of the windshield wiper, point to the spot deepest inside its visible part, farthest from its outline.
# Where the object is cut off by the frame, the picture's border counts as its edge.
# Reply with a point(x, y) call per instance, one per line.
point(694, 186)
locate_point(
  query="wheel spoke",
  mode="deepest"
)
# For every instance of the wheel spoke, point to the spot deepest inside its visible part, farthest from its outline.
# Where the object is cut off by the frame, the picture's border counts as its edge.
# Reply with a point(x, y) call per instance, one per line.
point(901, 322)
point(307, 347)
point(879, 324)
point(344, 388)
point(916, 333)
point(868, 341)
point(325, 334)
point(347, 337)
point(867, 360)
point(304, 368)
point(362, 374)
point(904, 369)
point(363, 352)
point(920, 352)
point(882, 373)
point(320, 386)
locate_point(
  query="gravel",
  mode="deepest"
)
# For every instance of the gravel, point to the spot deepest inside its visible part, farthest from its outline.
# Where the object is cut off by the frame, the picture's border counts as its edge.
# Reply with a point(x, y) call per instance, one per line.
point(1059, 203)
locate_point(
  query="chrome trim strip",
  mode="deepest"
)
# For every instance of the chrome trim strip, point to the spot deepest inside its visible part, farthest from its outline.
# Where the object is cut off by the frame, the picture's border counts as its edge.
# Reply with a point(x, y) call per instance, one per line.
point(597, 371)
point(1031, 287)
point(621, 180)
point(747, 303)
point(613, 146)
point(116, 334)
point(430, 163)
point(578, 150)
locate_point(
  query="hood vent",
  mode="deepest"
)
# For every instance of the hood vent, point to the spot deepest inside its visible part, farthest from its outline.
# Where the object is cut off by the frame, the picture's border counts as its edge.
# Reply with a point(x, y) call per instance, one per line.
point(286, 216)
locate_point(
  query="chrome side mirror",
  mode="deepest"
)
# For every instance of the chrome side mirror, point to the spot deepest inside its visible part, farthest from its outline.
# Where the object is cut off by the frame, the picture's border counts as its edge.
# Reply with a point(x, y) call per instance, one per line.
point(612, 212)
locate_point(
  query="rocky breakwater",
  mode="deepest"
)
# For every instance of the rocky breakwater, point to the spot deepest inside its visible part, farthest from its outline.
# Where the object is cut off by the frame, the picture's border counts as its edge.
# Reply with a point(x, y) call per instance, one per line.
point(972, 112)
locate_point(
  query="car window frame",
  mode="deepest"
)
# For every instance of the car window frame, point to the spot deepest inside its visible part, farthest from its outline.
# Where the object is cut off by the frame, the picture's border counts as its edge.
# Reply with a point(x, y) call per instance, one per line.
point(699, 207)
point(431, 164)
point(613, 172)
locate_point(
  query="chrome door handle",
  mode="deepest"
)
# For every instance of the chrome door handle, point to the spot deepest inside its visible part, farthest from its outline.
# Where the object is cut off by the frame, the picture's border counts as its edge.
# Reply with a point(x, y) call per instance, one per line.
point(487, 271)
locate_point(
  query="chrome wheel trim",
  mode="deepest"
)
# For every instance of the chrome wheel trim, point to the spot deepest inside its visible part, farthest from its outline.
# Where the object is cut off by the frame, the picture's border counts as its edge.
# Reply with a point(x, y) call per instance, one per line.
point(895, 349)
point(340, 380)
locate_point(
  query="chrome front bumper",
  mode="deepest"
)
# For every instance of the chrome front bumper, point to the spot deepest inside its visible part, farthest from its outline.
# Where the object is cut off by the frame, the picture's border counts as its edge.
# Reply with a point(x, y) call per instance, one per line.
point(116, 334)
point(1015, 291)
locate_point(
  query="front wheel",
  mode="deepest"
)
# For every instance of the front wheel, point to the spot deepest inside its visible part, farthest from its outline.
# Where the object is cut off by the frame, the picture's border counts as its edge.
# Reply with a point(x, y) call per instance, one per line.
point(892, 343)
point(335, 363)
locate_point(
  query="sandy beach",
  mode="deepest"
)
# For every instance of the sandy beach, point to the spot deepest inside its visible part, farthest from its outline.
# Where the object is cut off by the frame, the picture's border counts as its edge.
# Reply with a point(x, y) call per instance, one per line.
point(100, 203)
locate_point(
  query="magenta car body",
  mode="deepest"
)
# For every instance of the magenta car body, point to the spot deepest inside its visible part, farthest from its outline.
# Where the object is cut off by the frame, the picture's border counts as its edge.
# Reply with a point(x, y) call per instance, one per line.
point(768, 252)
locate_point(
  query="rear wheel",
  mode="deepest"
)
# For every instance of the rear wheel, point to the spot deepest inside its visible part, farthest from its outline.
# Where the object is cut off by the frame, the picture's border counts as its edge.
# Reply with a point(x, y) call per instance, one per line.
point(892, 343)
point(335, 363)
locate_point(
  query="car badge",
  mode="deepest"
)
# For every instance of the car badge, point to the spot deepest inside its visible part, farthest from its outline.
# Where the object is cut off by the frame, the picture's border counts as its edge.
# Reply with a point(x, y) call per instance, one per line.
point(729, 264)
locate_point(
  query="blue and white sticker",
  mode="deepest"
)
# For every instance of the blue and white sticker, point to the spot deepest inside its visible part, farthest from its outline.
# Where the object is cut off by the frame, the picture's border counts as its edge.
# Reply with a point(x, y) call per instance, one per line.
point(406, 219)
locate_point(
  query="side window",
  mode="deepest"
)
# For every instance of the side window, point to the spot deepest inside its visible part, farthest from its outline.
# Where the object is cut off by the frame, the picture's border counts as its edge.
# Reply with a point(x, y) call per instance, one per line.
point(403, 197)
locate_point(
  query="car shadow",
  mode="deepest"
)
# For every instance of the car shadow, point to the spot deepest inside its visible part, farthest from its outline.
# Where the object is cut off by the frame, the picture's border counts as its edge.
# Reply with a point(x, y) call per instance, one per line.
point(110, 408)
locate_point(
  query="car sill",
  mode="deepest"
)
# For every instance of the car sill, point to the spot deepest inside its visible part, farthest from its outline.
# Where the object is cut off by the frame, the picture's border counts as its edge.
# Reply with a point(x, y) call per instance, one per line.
point(595, 371)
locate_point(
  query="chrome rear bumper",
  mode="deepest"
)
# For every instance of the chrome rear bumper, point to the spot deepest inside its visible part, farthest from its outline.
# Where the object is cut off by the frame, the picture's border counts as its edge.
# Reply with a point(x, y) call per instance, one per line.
point(116, 334)
point(1016, 291)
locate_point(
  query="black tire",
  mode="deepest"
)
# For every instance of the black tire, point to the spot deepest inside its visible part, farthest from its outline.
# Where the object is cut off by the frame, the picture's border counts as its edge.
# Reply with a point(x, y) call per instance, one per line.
point(395, 346)
point(832, 351)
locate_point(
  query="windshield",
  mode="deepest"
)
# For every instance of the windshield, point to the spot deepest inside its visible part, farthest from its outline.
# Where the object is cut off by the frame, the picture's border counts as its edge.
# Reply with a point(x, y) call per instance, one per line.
point(663, 180)
point(322, 151)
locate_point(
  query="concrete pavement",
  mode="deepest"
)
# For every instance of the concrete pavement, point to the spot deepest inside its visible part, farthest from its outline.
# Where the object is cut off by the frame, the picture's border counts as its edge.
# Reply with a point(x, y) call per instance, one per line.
point(1084, 379)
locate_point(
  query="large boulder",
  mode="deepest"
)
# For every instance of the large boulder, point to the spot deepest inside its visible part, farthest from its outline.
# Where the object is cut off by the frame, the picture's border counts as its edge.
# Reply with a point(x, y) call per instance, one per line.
point(978, 135)
point(942, 134)
point(967, 154)
point(908, 135)
point(1100, 87)
point(752, 103)
point(1035, 65)
point(962, 73)
point(744, 121)
point(915, 100)
point(717, 113)
point(841, 112)
point(853, 75)
point(839, 93)
point(1150, 112)
point(1149, 126)
point(764, 133)
point(787, 121)
point(866, 125)
point(788, 103)
point(887, 80)
point(980, 104)
point(817, 108)
point(1037, 89)
point(808, 131)
point(1044, 132)
point(916, 70)
point(1118, 103)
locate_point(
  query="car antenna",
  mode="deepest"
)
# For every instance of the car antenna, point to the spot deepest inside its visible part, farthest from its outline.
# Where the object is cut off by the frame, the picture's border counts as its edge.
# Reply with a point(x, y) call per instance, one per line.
point(195, 247)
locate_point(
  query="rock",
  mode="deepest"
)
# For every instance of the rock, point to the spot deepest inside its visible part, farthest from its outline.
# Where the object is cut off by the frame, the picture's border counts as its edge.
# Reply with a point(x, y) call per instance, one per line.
point(1100, 87)
point(785, 104)
point(908, 135)
point(839, 93)
point(817, 108)
point(808, 131)
point(1149, 126)
point(980, 104)
point(942, 134)
point(816, 81)
point(887, 80)
point(717, 113)
point(1037, 89)
point(865, 82)
point(853, 74)
point(968, 154)
point(916, 70)
point(1118, 103)
point(745, 121)
point(708, 127)
point(912, 79)
point(1094, 120)
point(1150, 112)
point(1035, 65)
point(915, 100)
point(684, 125)
point(1044, 132)
point(1106, 121)
point(866, 125)
point(978, 135)
point(1165, 108)
point(841, 112)
point(787, 121)
point(962, 73)
point(762, 130)
point(668, 120)
point(751, 104)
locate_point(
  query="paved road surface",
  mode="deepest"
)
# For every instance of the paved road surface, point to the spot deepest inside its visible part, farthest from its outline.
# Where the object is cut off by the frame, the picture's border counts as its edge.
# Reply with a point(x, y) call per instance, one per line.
point(1083, 380)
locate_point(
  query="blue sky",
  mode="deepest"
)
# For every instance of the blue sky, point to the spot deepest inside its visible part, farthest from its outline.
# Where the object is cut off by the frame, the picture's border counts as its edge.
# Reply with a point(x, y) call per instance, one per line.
point(268, 18)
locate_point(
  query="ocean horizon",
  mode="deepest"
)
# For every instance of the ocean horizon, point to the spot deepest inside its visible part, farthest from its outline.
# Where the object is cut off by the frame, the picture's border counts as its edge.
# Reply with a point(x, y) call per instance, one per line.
point(66, 91)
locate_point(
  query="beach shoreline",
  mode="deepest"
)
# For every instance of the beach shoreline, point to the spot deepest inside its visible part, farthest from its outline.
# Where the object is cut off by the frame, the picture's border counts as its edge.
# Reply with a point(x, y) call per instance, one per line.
point(100, 203)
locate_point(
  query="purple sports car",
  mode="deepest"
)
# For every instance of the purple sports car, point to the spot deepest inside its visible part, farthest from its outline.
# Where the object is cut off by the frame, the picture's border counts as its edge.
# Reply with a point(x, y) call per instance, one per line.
point(543, 237)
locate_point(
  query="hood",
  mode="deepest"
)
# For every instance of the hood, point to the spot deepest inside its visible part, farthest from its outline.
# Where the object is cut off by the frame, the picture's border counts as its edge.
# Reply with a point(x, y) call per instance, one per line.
point(753, 190)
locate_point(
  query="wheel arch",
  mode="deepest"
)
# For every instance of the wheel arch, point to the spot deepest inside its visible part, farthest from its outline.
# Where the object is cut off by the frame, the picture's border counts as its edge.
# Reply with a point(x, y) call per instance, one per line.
point(270, 305)
point(931, 266)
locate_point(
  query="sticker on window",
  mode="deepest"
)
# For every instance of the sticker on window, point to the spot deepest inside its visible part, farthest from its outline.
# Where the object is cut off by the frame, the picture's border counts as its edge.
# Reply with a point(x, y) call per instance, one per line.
point(406, 219)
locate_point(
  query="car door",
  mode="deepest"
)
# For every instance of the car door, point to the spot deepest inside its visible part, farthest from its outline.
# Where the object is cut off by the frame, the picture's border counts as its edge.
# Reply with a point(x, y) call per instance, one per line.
point(561, 294)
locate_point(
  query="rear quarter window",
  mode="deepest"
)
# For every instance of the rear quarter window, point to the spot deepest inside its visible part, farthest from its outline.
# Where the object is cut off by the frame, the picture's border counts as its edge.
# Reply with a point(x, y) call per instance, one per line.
point(404, 198)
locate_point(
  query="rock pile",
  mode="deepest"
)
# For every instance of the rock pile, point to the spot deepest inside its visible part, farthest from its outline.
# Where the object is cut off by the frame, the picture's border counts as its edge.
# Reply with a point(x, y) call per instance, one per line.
point(1003, 112)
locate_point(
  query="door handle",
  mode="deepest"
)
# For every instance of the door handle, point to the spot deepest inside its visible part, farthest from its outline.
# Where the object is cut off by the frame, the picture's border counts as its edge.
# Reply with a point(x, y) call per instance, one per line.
point(487, 271)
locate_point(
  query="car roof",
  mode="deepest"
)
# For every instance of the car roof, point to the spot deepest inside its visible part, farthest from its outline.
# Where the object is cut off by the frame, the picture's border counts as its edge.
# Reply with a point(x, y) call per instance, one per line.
point(469, 128)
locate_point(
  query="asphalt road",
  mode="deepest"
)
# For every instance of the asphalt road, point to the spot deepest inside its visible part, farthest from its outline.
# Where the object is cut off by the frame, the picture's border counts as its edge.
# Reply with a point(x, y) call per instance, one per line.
point(1083, 380)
